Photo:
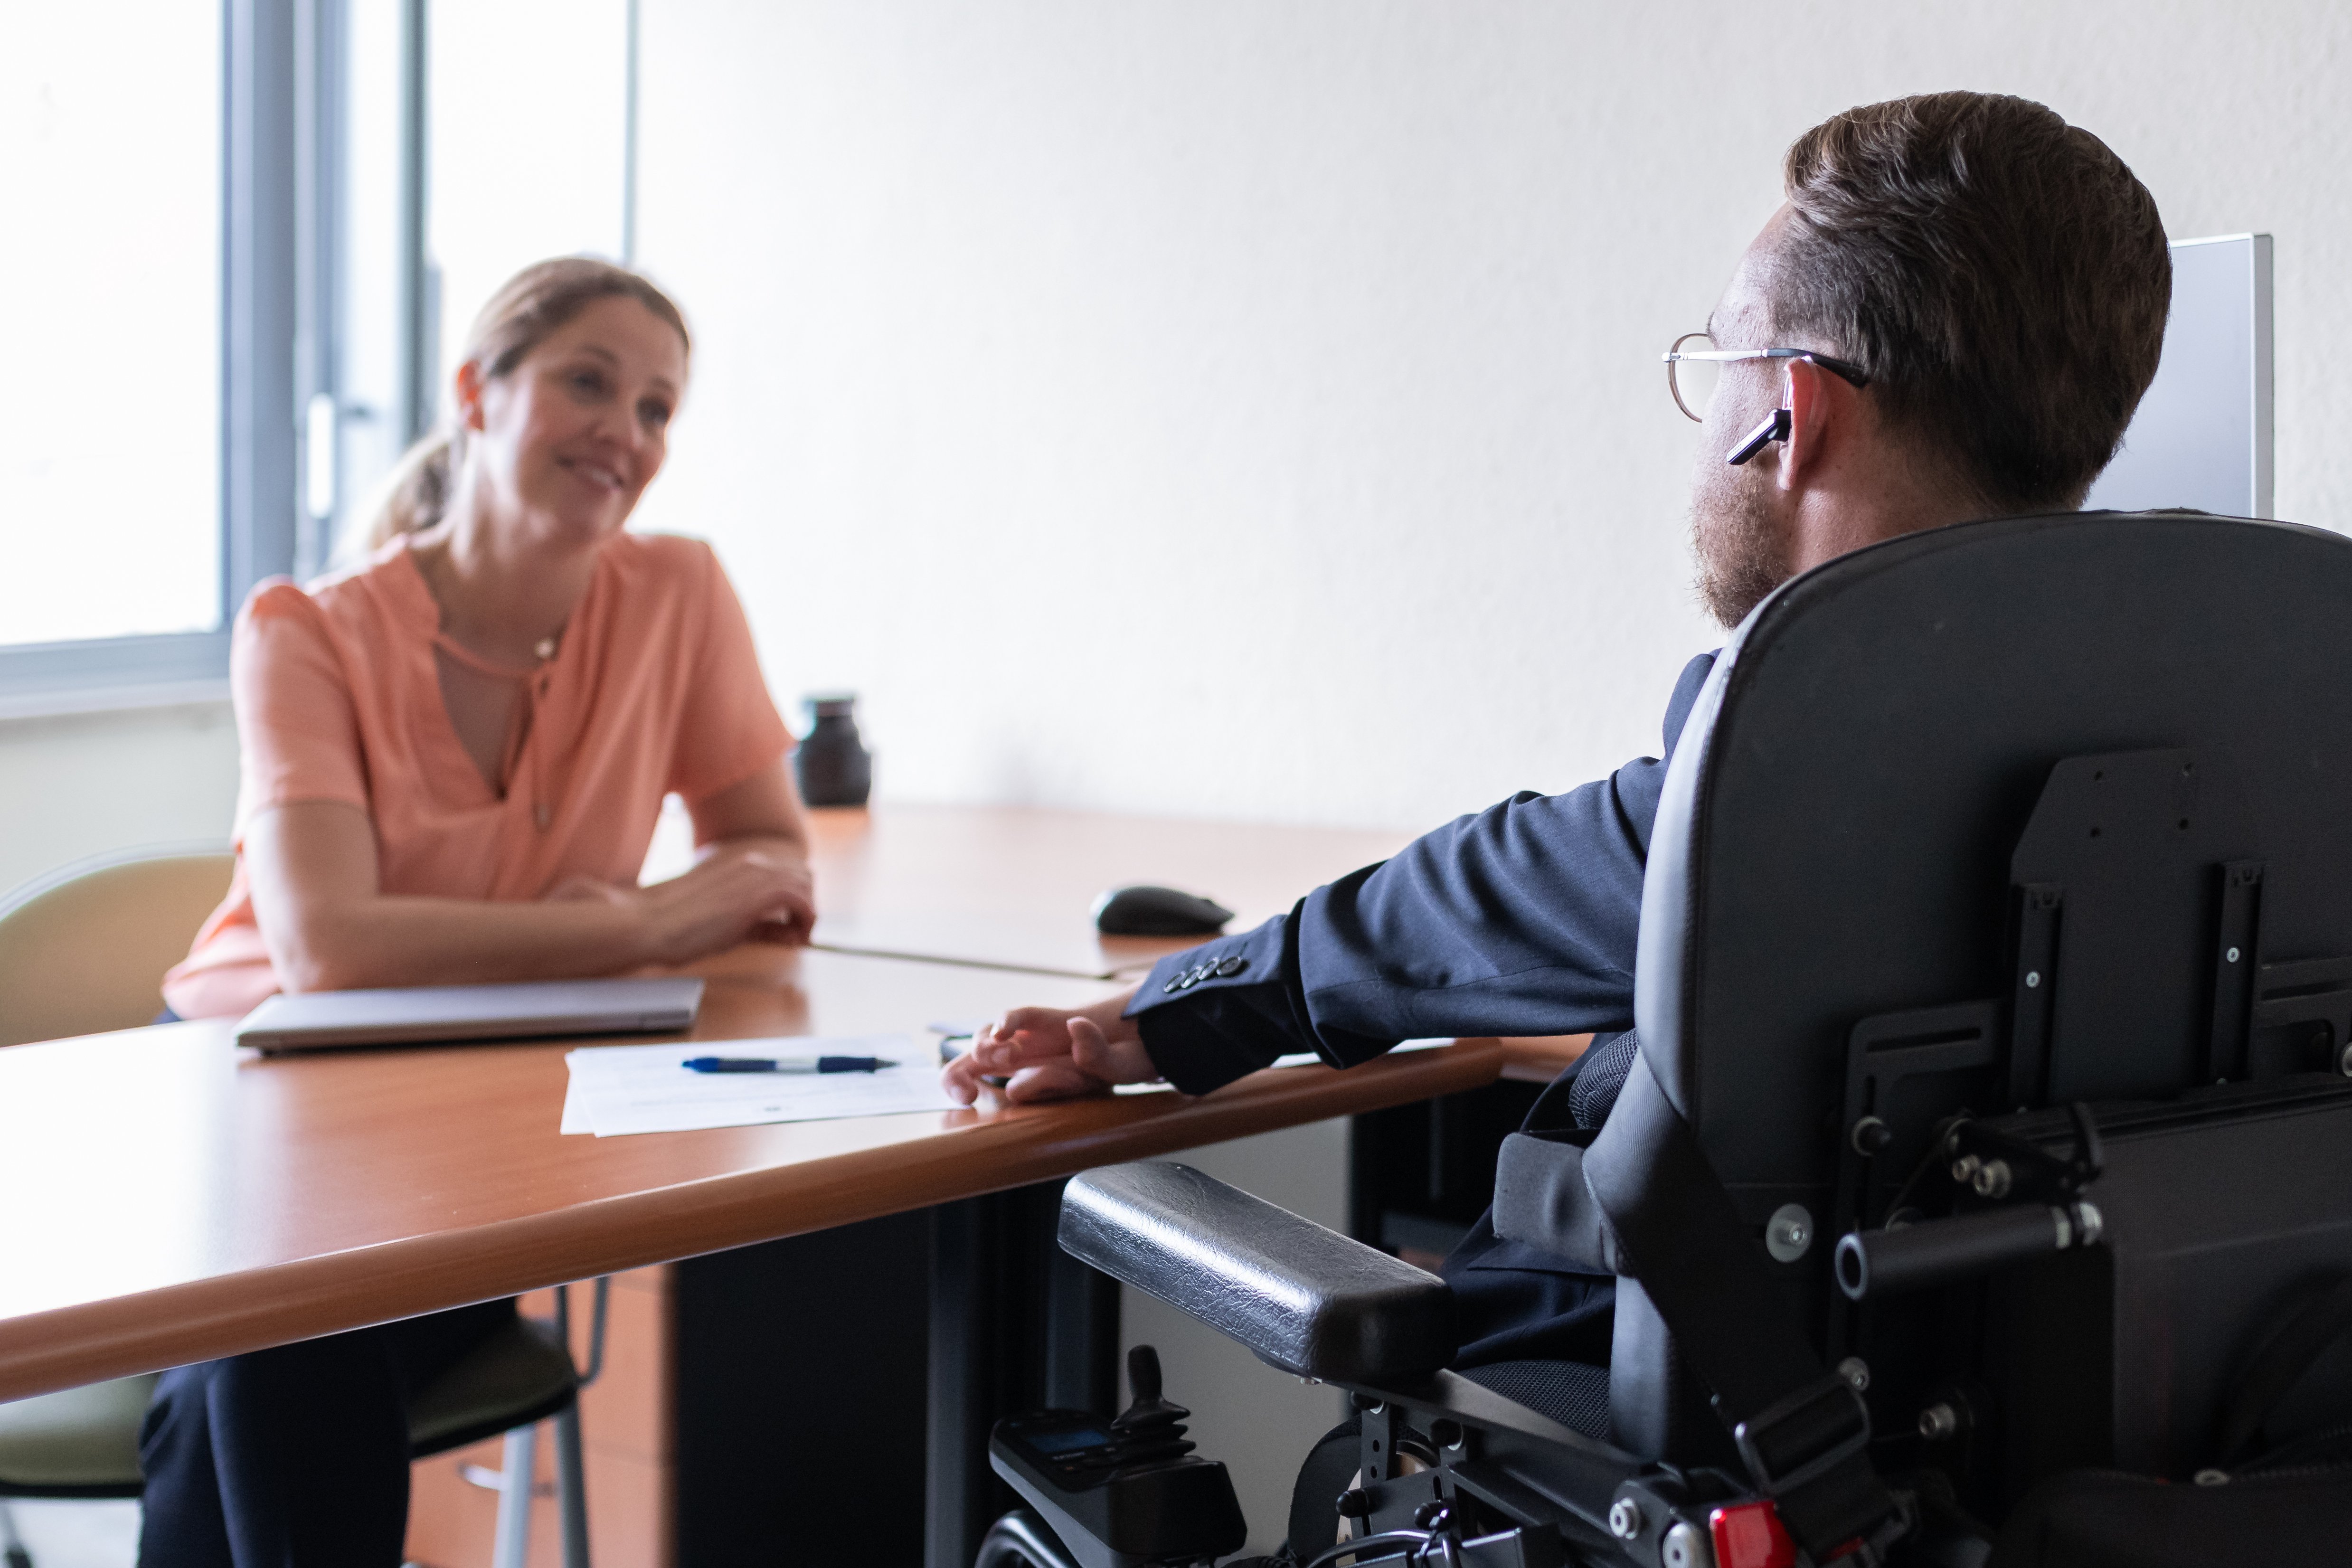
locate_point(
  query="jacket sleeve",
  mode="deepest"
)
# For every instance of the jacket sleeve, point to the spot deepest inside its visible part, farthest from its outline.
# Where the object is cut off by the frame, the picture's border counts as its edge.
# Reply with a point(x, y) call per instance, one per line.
point(1520, 920)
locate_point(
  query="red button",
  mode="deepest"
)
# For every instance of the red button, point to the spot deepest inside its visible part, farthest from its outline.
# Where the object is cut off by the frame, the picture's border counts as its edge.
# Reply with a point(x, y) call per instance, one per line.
point(1750, 1536)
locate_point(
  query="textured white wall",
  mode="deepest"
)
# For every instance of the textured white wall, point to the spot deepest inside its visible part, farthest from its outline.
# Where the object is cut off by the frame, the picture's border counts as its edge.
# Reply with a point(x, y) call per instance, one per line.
point(90, 783)
point(1252, 409)
point(1249, 408)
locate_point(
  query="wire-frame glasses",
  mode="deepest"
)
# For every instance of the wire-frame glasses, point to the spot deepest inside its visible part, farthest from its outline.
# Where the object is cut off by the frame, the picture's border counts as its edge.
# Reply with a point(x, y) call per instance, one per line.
point(1694, 364)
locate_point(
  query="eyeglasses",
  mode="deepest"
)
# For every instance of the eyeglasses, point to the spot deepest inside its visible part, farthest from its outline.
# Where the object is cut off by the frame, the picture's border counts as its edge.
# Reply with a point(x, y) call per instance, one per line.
point(1694, 364)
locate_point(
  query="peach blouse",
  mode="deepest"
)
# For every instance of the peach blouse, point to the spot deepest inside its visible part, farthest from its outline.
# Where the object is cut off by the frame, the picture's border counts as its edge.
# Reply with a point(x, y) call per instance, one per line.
point(653, 687)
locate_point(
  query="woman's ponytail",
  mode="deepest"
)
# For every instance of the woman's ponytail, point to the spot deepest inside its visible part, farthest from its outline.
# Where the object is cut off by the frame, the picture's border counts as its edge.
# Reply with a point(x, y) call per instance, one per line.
point(416, 492)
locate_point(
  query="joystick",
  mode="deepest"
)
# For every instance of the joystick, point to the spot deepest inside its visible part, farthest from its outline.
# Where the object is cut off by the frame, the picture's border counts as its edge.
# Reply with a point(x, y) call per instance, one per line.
point(1127, 1492)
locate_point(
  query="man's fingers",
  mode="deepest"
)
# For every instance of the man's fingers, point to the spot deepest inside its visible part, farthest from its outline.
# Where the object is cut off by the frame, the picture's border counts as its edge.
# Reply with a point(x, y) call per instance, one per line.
point(1123, 1061)
point(960, 1079)
point(1005, 1046)
point(1058, 1079)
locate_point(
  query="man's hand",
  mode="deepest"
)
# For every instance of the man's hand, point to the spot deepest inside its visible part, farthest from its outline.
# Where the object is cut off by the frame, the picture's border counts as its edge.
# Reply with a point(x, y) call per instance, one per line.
point(1047, 1052)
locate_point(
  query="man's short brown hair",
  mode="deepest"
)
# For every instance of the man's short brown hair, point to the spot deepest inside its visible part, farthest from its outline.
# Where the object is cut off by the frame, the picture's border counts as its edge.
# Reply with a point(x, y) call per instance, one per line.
point(2000, 275)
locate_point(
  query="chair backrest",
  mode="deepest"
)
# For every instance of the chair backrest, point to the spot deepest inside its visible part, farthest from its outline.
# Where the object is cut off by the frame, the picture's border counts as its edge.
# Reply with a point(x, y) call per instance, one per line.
point(85, 951)
point(1843, 835)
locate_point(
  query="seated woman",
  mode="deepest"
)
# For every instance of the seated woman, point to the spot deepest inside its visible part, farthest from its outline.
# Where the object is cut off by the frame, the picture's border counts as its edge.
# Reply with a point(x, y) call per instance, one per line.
point(454, 756)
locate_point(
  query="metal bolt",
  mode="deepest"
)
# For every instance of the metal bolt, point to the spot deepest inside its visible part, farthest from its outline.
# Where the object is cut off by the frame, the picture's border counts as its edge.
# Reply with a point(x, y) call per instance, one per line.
point(2231, 956)
point(1938, 1421)
point(1684, 1547)
point(1788, 1233)
point(1992, 1179)
point(1431, 1514)
point(1964, 1169)
point(1624, 1519)
point(2032, 978)
point(1447, 1434)
point(1870, 1135)
point(1856, 1371)
point(2088, 1223)
point(2344, 1062)
point(1355, 1503)
point(2211, 1477)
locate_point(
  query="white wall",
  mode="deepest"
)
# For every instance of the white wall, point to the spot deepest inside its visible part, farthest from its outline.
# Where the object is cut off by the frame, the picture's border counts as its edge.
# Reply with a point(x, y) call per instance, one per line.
point(90, 783)
point(1251, 408)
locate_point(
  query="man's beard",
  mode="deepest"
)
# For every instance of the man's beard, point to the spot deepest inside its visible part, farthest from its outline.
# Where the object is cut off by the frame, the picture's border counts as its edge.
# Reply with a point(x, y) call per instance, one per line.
point(1740, 554)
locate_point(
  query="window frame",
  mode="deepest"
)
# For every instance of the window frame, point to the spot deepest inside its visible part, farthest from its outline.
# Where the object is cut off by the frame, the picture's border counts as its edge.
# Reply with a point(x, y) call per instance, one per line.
point(281, 107)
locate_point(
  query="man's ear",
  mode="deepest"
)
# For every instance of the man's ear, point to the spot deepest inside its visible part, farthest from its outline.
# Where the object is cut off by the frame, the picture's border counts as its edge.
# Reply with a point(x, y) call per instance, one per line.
point(469, 395)
point(1815, 416)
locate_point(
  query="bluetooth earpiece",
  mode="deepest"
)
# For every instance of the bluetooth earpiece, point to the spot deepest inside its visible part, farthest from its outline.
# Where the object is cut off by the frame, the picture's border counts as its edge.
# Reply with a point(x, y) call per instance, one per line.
point(1776, 427)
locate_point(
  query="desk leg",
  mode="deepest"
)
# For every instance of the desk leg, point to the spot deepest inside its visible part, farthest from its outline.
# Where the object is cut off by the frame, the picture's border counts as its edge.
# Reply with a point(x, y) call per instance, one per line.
point(1016, 1324)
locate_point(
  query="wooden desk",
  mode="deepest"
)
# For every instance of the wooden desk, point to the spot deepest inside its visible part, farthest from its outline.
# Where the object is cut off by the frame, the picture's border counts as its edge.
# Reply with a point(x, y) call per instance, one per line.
point(1015, 886)
point(175, 1199)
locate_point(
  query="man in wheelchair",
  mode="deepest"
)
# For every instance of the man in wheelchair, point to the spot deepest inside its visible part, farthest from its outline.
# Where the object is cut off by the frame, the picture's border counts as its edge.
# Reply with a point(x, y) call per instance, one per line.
point(1961, 1171)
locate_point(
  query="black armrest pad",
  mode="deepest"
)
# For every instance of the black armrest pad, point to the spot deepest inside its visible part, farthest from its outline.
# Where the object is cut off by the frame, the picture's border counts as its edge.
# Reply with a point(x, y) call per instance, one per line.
point(1305, 1299)
point(1541, 1201)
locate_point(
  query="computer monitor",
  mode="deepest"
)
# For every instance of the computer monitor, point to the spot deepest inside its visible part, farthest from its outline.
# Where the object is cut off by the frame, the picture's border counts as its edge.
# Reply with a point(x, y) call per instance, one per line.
point(2202, 438)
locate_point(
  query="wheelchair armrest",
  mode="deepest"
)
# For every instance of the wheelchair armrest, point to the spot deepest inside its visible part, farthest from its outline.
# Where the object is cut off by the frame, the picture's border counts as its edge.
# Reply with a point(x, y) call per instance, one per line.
point(1305, 1299)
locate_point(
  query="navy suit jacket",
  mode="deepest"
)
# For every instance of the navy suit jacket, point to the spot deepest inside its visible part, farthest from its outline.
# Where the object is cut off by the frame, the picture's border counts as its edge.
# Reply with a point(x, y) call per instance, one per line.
point(1520, 920)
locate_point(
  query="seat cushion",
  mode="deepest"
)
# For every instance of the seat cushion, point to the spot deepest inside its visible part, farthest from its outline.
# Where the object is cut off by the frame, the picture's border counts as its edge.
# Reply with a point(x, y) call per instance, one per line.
point(1571, 1392)
point(77, 1442)
point(520, 1374)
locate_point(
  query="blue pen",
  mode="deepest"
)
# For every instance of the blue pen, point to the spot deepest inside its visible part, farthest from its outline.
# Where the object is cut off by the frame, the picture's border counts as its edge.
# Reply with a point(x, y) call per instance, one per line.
point(786, 1064)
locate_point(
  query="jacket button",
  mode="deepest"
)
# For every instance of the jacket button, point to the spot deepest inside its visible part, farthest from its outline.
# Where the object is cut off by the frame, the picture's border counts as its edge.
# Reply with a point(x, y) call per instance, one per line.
point(1172, 987)
point(1231, 966)
point(1186, 981)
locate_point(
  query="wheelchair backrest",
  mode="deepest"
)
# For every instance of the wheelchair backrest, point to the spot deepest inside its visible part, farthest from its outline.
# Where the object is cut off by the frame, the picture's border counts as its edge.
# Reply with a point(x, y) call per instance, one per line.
point(2011, 788)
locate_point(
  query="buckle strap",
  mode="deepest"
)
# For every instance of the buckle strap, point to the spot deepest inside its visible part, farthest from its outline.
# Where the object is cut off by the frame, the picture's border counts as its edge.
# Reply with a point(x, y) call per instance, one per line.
point(1801, 1430)
point(1799, 1440)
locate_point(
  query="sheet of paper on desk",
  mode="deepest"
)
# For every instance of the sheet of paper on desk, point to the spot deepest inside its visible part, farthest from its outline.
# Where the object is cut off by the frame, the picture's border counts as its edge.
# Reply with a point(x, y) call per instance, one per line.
point(618, 1089)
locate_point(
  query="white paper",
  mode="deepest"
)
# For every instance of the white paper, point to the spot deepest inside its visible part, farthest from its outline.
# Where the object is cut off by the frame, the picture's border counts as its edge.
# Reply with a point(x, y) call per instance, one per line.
point(620, 1089)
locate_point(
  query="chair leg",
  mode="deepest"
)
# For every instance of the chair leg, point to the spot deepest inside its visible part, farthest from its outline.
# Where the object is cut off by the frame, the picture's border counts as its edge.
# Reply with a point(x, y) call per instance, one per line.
point(522, 1465)
point(12, 1545)
point(572, 1486)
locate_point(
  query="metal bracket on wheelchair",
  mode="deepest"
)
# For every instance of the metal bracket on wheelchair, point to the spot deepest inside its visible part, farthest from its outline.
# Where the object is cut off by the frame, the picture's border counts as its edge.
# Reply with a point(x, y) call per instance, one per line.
point(1998, 1166)
point(2023, 1202)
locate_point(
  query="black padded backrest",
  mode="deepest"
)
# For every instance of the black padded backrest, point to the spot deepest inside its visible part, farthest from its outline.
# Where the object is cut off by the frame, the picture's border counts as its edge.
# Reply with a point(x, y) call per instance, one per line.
point(1840, 832)
point(1836, 833)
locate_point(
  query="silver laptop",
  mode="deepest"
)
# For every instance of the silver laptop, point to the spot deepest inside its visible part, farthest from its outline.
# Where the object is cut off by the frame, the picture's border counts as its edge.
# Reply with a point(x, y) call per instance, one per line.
point(415, 1015)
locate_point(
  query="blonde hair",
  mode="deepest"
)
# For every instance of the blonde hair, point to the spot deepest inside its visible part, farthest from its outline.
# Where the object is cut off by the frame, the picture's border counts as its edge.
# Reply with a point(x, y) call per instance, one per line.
point(534, 302)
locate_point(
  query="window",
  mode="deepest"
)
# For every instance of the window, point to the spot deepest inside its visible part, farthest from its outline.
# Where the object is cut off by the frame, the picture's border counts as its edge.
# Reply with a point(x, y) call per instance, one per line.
point(212, 203)
point(111, 461)
point(229, 266)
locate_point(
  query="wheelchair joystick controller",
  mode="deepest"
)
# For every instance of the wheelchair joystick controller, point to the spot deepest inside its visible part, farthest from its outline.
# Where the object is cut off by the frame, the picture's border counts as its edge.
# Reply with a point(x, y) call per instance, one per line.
point(1124, 1493)
point(1149, 1428)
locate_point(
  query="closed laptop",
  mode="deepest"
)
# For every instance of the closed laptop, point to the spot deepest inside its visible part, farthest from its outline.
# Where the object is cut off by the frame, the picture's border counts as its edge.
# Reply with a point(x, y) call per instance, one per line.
point(419, 1014)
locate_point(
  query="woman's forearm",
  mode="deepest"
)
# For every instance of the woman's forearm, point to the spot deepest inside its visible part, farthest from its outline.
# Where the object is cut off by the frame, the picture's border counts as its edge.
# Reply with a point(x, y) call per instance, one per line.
point(329, 926)
point(382, 939)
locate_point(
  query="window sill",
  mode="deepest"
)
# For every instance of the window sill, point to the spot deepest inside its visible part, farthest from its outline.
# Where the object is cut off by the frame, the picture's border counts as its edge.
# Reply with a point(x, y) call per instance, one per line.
point(67, 702)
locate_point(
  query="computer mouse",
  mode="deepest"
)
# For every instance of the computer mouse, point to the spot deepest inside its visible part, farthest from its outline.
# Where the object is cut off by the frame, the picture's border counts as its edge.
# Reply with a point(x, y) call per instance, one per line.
point(1159, 912)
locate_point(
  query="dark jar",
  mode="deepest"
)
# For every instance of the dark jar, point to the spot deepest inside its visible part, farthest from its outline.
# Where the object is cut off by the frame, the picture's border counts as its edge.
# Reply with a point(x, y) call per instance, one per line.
point(833, 765)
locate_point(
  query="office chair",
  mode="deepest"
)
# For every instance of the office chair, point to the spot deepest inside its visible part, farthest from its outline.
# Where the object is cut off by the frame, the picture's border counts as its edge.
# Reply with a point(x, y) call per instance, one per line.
point(84, 951)
point(1981, 1191)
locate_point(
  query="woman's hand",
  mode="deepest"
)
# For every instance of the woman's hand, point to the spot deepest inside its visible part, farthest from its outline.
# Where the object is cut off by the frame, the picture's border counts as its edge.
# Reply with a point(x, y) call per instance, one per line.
point(1048, 1052)
point(736, 893)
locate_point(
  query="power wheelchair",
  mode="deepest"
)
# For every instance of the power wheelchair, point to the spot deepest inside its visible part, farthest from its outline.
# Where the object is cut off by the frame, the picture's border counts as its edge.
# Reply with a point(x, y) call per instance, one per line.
point(1982, 1190)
